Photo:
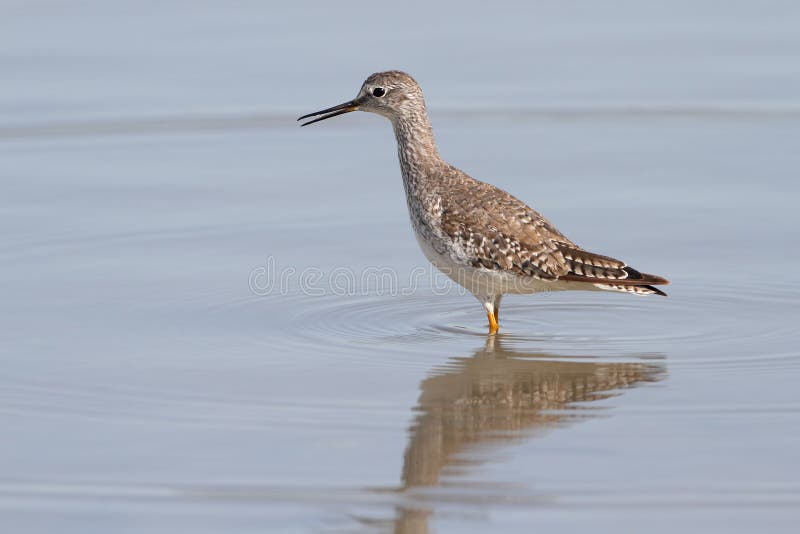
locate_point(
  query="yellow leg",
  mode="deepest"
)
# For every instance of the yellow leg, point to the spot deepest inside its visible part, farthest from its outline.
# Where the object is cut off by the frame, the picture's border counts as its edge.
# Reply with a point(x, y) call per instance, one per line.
point(491, 303)
point(493, 324)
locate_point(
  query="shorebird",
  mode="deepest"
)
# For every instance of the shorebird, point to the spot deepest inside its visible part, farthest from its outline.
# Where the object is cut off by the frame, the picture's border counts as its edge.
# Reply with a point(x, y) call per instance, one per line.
point(481, 237)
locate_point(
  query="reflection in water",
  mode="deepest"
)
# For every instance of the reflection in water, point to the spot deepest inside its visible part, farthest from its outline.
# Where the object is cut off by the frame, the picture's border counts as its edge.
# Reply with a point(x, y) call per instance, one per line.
point(495, 395)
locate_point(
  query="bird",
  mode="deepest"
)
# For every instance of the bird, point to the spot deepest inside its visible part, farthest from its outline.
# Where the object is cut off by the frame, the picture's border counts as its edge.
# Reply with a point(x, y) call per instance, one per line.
point(478, 235)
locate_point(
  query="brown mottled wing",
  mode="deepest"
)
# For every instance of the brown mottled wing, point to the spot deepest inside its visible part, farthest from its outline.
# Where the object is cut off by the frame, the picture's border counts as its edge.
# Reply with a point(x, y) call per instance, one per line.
point(500, 232)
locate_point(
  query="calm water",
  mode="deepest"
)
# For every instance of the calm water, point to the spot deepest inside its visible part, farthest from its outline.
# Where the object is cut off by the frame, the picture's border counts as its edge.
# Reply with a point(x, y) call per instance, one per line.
point(214, 321)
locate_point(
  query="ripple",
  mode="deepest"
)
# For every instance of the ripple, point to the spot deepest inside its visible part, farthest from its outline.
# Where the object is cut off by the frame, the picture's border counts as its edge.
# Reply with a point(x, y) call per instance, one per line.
point(83, 399)
point(260, 119)
point(703, 326)
point(658, 494)
point(712, 325)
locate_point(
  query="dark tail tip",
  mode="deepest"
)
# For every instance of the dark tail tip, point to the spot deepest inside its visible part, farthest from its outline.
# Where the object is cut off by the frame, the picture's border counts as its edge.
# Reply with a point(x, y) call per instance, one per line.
point(654, 290)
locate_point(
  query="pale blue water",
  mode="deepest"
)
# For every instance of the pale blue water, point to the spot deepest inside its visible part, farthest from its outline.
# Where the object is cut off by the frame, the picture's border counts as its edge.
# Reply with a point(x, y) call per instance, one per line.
point(153, 180)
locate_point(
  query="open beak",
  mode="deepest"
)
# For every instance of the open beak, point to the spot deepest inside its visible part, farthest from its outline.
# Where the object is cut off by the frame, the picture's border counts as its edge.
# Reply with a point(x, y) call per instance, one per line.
point(341, 109)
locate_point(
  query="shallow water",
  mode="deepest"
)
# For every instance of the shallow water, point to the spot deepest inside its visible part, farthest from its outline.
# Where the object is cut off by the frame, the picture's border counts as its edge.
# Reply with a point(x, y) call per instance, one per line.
point(213, 320)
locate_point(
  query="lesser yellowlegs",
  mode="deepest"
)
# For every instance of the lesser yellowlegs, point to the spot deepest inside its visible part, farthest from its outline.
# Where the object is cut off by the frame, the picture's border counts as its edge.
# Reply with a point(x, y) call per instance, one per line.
point(477, 234)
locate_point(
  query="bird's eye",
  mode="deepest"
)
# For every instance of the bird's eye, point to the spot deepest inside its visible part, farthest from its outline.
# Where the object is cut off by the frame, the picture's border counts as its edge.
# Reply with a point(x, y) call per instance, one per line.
point(379, 92)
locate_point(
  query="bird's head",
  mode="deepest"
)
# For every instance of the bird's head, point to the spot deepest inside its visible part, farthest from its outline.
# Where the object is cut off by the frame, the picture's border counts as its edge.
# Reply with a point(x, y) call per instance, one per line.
point(393, 94)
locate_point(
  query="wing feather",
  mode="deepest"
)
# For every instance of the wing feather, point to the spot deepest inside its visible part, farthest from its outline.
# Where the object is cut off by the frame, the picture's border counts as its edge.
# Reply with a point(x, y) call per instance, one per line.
point(497, 231)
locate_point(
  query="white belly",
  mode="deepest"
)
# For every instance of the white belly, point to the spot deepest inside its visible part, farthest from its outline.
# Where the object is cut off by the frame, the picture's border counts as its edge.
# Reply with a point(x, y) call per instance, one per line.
point(487, 282)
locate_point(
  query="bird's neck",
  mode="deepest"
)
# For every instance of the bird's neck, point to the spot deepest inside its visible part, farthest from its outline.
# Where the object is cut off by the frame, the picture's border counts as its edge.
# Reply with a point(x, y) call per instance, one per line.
point(419, 158)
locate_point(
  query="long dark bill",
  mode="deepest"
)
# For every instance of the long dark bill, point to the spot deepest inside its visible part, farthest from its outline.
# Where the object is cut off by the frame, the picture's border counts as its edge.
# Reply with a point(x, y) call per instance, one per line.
point(341, 109)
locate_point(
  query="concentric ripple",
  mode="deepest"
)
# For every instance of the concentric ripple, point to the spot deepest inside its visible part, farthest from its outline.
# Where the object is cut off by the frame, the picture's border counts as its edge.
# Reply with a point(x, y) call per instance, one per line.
point(212, 315)
point(708, 326)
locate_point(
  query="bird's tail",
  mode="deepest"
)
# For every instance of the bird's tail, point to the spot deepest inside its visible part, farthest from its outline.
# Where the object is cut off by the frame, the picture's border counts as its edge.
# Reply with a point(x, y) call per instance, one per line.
point(636, 290)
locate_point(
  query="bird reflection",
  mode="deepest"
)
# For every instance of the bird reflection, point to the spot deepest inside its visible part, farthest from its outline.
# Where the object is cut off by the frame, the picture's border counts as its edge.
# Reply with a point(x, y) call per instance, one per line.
point(499, 394)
